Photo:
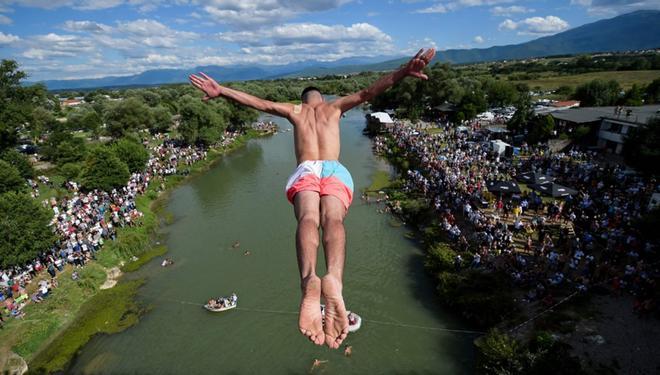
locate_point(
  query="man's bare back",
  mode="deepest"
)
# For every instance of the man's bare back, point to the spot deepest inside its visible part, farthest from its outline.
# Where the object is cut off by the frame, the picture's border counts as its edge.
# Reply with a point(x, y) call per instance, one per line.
point(321, 191)
point(316, 131)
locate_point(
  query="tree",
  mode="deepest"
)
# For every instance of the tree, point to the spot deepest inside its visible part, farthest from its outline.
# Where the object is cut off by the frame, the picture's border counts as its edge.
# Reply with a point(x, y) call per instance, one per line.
point(598, 93)
point(132, 153)
point(126, 116)
point(162, 120)
point(653, 91)
point(70, 171)
point(199, 122)
point(500, 93)
point(634, 96)
point(518, 122)
point(18, 161)
point(103, 170)
point(540, 129)
point(10, 178)
point(41, 121)
point(24, 224)
point(640, 147)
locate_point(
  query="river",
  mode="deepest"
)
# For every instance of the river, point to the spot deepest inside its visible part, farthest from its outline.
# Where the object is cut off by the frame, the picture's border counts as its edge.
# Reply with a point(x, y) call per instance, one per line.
point(242, 199)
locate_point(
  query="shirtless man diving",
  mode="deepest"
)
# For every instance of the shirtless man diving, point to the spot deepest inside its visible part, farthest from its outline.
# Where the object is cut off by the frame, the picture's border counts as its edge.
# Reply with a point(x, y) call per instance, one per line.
point(320, 188)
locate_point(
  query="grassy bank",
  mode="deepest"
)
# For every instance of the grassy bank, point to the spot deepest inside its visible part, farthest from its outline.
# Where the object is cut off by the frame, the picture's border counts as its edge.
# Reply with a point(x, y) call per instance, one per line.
point(54, 330)
point(625, 78)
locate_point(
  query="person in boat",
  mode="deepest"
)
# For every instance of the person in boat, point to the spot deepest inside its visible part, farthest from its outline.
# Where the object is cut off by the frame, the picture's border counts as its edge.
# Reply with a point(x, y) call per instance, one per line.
point(320, 189)
point(234, 298)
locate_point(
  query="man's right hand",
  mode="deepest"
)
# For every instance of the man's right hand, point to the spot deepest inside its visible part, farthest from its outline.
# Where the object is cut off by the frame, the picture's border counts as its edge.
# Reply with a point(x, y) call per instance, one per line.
point(419, 62)
point(206, 84)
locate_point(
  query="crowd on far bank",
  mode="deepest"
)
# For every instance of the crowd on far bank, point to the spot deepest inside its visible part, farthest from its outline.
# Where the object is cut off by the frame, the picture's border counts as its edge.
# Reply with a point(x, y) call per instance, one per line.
point(84, 220)
point(546, 245)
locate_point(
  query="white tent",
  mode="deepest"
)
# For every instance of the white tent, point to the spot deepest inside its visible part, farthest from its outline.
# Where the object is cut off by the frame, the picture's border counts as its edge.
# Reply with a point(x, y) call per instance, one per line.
point(486, 116)
point(499, 146)
point(382, 117)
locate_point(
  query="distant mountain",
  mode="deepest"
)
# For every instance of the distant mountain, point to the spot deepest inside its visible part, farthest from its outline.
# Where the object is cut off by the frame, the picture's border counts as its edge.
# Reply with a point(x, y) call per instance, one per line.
point(632, 31)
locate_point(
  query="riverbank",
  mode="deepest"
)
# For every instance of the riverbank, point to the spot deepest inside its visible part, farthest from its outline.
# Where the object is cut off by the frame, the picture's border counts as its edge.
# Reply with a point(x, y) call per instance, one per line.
point(56, 328)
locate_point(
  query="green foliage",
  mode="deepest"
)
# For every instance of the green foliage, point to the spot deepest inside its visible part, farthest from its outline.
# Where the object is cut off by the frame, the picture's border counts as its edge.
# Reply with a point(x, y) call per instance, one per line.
point(104, 170)
point(70, 171)
point(565, 91)
point(440, 258)
point(10, 178)
point(634, 96)
point(109, 311)
point(499, 354)
point(540, 129)
point(653, 92)
point(62, 147)
point(145, 258)
point(19, 161)
point(598, 93)
point(41, 121)
point(200, 123)
point(640, 147)
point(524, 113)
point(131, 152)
point(24, 224)
point(126, 116)
point(162, 119)
point(580, 132)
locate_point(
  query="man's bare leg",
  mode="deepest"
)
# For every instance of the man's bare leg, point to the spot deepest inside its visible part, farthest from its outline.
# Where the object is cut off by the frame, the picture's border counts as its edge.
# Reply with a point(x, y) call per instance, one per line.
point(310, 322)
point(334, 244)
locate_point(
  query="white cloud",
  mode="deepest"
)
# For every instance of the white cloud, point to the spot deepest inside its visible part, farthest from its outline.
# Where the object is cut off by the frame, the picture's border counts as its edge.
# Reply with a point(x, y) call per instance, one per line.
point(437, 8)
point(536, 25)
point(8, 38)
point(4, 20)
point(86, 26)
point(478, 39)
point(614, 7)
point(509, 11)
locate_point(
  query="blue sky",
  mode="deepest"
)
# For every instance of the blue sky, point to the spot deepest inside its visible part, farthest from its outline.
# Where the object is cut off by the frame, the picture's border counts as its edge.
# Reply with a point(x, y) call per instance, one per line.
point(65, 39)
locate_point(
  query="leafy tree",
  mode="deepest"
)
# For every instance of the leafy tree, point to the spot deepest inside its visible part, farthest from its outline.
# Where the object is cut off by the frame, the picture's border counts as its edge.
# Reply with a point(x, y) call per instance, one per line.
point(132, 153)
point(126, 116)
point(18, 161)
point(541, 129)
point(42, 120)
point(104, 170)
point(10, 178)
point(653, 91)
point(499, 354)
point(634, 96)
point(640, 147)
point(199, 122)
point(518, 122)
point(92, 122)
point(162, 119)
point(24, 224)
point(564, 90)
point(500, 93)
point(598, 93)
point(70, 171)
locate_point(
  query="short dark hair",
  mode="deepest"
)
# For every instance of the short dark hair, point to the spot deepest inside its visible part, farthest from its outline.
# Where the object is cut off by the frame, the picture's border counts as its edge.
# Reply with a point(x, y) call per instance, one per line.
point(309, 89)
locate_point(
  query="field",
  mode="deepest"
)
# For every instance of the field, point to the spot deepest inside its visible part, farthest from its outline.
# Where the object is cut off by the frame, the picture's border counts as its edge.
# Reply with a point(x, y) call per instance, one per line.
point(625, 78)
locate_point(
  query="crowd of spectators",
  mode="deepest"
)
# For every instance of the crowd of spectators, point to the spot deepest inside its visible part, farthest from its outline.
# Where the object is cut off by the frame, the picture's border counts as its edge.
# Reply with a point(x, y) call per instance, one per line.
point(84, 220)
point(547, 246)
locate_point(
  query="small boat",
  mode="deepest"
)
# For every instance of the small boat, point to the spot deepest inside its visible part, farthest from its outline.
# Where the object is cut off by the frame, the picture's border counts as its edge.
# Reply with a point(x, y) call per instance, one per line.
point(354, 320)
point(222, 304)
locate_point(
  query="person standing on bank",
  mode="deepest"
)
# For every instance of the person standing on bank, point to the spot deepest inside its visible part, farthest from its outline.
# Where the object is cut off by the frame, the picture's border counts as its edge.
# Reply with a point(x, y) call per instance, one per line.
point(320, 189)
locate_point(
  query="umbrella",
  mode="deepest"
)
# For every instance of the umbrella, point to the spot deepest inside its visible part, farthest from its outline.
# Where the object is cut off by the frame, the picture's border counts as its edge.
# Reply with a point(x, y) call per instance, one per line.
point(554, 190)
point(534, 178)
point(503, 187)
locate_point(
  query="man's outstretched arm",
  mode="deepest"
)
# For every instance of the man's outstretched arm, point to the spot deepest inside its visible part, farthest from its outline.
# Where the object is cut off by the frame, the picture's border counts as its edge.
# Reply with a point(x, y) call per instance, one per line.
point(413, 68)
point(212, 90)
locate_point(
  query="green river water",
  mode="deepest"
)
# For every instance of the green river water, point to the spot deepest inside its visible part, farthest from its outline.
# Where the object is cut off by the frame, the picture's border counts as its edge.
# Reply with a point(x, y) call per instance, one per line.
point(242, 199)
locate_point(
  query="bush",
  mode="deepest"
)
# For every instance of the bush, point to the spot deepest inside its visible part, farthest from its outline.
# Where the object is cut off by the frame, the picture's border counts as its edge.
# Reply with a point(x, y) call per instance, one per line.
point(440, 257)
point(103, 170)
point(19, 161)
point(499, 354)
point(10, 178)
point(70, 171)
point(132, 153)
point(25, 229)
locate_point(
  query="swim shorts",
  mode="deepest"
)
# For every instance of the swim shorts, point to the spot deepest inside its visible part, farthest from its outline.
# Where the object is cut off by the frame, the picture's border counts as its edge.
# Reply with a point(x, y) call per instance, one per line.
point(326, 177)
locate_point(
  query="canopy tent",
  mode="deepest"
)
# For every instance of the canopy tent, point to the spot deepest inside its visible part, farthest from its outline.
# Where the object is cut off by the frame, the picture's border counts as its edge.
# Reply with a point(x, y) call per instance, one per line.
point(499, 146)
point(554, 190)
point(382, 117)
point(534, 178)
point(507, 187)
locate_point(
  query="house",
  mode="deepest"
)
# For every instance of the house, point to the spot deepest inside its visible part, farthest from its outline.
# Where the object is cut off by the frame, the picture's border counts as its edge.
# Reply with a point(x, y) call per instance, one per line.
point(608, 125)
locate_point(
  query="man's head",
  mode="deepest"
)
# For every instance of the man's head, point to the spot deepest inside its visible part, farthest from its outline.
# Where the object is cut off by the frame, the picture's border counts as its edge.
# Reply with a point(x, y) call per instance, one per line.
point(311, 95)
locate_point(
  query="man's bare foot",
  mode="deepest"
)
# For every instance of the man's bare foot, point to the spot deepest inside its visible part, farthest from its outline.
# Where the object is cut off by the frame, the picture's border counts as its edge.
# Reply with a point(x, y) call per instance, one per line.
point(310, 321)
point(336, 318)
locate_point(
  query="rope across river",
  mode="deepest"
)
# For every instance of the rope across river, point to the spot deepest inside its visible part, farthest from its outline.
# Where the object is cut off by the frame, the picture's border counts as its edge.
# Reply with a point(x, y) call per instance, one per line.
point(376, 322)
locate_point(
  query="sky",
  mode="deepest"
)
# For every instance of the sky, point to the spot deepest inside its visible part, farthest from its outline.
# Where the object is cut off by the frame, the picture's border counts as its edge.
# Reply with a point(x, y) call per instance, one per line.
point(69, 39)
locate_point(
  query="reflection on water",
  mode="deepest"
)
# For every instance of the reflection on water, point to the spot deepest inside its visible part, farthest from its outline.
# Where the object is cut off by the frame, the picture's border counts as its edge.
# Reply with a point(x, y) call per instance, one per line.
point(242, 199)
